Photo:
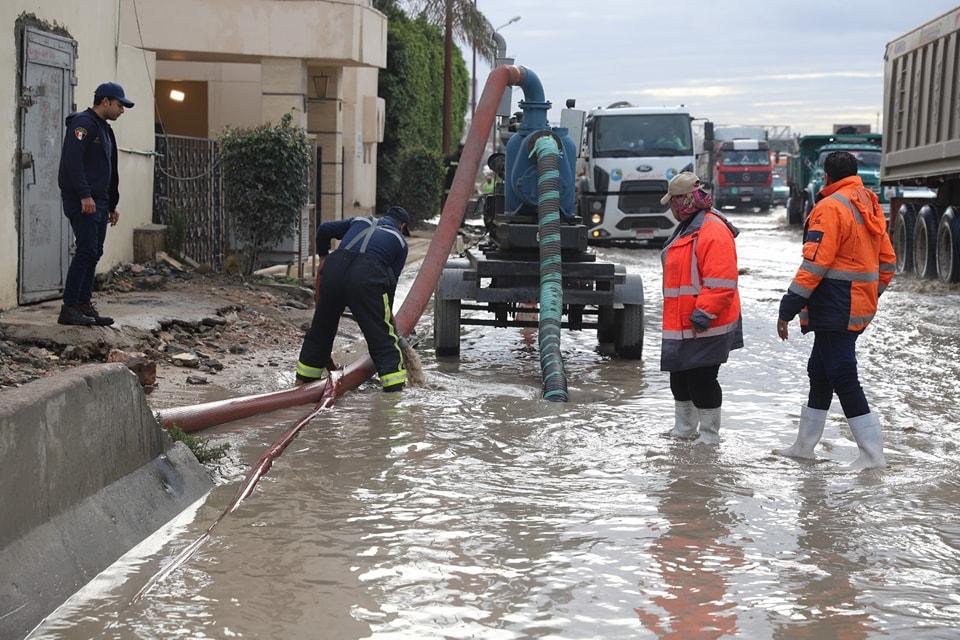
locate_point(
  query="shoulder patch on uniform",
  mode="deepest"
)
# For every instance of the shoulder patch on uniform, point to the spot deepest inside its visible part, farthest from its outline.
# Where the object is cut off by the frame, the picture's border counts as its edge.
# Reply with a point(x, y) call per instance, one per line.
point(79, 133)
point(813, 236)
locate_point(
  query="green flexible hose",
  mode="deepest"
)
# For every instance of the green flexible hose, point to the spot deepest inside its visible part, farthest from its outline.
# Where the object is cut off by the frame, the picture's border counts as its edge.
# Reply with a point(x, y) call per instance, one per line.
point(547, 153)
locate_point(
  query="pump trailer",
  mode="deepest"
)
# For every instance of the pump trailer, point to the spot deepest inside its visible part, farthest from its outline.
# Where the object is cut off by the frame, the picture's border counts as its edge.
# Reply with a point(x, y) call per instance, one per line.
point(500, 283)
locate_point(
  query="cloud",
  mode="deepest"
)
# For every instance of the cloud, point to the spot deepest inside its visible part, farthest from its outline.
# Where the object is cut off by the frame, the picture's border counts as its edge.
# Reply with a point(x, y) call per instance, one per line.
point(779, 103)
point(715, 91)
point(820, 75)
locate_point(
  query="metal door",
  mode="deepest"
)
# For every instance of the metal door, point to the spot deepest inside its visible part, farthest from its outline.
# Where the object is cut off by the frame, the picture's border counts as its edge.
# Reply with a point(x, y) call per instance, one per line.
point(46, 97)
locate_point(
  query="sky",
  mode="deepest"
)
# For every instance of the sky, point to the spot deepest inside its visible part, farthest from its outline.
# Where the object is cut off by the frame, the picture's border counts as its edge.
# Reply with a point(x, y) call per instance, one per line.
point(807, 64)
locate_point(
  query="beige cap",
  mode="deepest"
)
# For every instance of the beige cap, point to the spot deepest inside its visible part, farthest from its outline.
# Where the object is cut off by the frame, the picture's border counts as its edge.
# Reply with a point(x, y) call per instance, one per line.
point(680, 185)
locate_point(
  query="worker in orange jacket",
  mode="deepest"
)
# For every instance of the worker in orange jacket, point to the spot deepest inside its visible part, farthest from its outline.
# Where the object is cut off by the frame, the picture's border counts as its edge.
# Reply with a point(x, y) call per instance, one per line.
point(701, 307)
point(847, 263)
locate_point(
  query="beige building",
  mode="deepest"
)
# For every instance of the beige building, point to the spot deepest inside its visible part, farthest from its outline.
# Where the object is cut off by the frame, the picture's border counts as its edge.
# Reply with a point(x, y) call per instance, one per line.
point(205, 64)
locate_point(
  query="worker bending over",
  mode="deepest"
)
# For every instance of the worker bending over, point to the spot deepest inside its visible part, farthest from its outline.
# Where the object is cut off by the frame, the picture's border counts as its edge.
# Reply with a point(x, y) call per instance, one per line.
point(361, 274)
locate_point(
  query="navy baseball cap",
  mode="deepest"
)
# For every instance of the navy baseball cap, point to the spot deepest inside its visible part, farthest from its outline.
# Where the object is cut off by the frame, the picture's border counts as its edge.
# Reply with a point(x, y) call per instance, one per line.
point(112, 90)
point(400, 214)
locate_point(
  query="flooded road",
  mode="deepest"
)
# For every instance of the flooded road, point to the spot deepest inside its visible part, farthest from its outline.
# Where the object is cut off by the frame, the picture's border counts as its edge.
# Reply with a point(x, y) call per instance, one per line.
point(472, 509)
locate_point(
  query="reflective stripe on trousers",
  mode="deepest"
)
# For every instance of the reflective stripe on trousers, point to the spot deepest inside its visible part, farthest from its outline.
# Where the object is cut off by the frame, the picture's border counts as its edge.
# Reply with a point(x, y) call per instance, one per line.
point(400, 375)
point(306, 371)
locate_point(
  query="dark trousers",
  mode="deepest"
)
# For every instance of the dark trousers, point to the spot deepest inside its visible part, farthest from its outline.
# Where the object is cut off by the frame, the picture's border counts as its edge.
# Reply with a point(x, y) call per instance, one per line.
point(833, 369)
point(363, 284)
point(90, 232)
point(699, 385)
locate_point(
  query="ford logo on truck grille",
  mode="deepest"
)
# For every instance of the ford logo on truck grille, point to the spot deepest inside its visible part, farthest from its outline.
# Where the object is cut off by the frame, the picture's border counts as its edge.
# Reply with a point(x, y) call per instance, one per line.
point(644, 168)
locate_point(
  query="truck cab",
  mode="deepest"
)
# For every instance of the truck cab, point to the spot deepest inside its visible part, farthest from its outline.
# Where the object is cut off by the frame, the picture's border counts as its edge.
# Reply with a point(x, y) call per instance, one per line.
point(628, 157)
point(743, 175)
point(806, 178)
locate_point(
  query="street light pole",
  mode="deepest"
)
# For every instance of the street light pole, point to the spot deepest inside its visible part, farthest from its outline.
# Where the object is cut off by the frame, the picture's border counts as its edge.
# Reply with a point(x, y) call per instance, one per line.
point(473, 89)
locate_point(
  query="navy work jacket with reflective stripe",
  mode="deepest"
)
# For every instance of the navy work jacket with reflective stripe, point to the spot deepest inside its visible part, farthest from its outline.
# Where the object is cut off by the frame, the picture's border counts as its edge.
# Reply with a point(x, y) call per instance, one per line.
point(387, 244)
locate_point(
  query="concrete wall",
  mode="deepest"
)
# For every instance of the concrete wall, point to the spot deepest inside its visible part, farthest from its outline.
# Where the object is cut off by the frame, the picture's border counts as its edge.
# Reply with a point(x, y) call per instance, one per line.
point(86, 479)
point(360, 153)
point(341, 31)
point(94, 24)
point(233, 90)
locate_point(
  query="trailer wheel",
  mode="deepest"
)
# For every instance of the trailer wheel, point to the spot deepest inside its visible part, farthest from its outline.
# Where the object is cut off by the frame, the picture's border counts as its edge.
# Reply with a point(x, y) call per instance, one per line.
point(925, 243)
point(794, 213)
point(903, 237)
point(606, 330)
point(948, 246)
point(446, 326)
point(630, 332)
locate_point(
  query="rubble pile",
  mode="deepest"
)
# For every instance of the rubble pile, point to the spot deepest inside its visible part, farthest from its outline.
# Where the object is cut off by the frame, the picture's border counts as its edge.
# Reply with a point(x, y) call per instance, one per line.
point(258, 325)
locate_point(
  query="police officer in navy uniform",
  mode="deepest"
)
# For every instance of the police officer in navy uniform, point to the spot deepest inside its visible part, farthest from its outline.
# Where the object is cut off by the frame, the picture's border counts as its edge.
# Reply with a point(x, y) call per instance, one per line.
point(89, 183)
point(361, 274)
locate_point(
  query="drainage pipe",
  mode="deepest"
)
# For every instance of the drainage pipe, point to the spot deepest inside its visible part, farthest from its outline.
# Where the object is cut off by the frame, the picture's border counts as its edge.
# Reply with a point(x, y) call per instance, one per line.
point(201, 416)
point(547, 153)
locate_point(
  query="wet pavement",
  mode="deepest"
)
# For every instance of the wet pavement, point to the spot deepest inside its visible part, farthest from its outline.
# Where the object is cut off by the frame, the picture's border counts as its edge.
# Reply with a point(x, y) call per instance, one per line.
point(472, 509)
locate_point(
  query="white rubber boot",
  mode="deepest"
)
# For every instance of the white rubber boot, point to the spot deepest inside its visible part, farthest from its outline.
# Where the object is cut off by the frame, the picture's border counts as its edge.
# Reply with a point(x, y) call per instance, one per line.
point(866, 431)
point(686, 419)
point(709, 426)
point(809, 434)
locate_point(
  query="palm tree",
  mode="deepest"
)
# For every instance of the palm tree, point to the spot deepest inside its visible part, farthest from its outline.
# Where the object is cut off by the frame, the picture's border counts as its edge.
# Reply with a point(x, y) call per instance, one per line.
point(462, 19)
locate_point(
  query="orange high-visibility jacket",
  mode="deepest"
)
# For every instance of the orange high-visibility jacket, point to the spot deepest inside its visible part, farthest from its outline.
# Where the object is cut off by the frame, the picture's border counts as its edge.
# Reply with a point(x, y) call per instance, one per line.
point(700, 290)
point(847, 261)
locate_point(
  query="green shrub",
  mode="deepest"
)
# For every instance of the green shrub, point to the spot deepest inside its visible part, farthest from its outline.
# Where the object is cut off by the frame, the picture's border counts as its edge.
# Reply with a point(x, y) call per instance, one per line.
point(422, 172)
point(264, 184)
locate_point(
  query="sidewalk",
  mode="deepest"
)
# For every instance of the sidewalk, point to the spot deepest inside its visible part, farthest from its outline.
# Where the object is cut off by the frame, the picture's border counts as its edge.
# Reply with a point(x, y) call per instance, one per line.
point(232, 337)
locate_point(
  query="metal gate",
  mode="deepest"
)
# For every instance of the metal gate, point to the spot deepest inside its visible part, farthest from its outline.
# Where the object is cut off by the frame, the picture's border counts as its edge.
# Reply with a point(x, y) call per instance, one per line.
point(46, 97)
point(188, 197)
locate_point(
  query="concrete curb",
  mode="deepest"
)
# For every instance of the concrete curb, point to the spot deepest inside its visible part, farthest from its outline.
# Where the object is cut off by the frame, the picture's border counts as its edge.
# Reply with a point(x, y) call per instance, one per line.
point(86, 474)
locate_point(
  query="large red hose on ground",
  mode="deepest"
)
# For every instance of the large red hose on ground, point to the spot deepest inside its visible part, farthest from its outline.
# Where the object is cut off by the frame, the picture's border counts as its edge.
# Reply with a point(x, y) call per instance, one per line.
point(325, 392)
point(201, 416)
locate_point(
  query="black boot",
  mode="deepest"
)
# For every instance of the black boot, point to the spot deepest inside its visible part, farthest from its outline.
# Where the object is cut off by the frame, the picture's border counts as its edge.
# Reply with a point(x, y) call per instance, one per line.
point(71, 314)
point(89, 310)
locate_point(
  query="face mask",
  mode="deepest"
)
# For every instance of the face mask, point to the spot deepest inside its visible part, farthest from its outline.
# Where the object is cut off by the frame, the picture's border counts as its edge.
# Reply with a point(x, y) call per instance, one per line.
point(690, 204)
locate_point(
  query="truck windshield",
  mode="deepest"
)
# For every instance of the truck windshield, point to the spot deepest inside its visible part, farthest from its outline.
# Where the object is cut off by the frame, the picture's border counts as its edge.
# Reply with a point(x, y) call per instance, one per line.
point(865, 159)
point(745, 158)
point(642, 135)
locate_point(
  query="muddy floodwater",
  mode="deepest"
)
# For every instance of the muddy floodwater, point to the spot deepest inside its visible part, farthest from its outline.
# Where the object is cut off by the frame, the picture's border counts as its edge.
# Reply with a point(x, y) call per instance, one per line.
point(472, 509)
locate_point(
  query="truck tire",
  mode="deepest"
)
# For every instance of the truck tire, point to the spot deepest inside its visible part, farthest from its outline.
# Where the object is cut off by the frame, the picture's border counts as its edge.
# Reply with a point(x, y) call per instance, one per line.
point(902, 239)
point(948, 246)
point(925, 243)
point(446, 326)
point(794, 213)
point(606, 330)
point(630, 332)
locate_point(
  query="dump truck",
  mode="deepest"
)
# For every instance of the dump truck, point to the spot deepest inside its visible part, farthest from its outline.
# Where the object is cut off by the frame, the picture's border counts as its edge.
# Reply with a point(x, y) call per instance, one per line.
point(805, 176)
point(921, 147)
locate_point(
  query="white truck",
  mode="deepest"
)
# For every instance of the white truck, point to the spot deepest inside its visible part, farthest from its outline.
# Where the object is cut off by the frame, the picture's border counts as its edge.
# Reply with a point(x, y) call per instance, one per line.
point(629, 154)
